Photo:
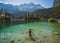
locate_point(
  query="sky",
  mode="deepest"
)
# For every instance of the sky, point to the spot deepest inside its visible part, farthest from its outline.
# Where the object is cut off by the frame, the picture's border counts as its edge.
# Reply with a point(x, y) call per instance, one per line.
point(44, 3)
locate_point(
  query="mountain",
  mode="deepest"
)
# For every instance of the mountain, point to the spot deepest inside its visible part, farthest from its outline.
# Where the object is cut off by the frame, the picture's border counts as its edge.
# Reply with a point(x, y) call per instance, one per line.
point(2, 6)
point(30, 7)
point(19, 9)
point(8, 8)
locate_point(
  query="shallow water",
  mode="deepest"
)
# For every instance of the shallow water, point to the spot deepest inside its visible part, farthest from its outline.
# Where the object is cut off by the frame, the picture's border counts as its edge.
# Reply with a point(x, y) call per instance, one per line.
point(43, 33)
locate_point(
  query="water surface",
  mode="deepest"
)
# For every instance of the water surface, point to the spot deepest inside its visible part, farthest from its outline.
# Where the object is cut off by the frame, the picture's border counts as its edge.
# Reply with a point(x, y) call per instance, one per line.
point(47, 32)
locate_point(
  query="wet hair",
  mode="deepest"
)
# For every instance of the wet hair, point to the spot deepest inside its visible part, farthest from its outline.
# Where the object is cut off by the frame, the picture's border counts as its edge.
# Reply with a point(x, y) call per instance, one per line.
point(30, 29)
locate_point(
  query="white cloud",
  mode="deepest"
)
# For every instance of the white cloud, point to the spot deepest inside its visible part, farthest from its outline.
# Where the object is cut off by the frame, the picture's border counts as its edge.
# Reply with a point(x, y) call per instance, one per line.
point(0, 1)
point(4, 2)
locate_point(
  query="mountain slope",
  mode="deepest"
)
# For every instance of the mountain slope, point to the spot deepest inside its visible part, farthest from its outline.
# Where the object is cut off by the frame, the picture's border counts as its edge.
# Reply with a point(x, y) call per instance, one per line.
point(30, 7)
point(23, 7)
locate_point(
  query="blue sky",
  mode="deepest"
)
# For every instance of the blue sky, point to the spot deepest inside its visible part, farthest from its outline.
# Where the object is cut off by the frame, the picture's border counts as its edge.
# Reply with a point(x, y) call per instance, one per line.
point(44, 3)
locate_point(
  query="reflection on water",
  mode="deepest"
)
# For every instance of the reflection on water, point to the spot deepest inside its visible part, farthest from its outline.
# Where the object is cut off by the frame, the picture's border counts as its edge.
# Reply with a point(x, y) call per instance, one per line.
point(12, 22)
point(44, 33)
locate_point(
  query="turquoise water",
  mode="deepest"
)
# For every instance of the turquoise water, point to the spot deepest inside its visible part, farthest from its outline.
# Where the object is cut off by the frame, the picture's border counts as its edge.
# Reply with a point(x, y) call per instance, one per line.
point(22, 28)
point(43, 31)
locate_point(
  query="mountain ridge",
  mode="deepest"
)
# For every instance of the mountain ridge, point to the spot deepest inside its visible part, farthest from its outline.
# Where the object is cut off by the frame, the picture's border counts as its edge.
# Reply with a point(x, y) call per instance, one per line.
point(23, 7)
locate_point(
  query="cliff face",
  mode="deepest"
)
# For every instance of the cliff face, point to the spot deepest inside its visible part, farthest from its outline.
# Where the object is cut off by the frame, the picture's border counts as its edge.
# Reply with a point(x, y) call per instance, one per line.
point(56, 3)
